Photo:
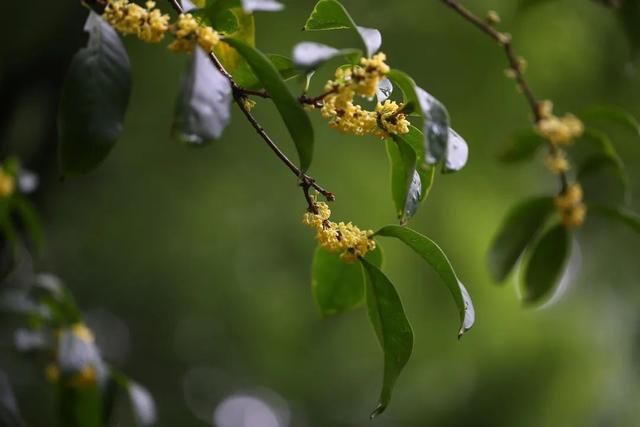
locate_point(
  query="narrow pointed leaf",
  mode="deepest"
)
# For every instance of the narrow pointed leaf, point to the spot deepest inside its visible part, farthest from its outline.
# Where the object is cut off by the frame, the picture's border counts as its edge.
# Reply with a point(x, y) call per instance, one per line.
point(520, 227)
point(338, 286)
point(332, 15)
point(94, 99)
point(546, 265)
point(284, 65)
point(203, 106)
point(429, 251)
point(391, 327)
point(405, 181)
point(415, 139)
point(520, 146)
point(624, 216)
point(292, 114)
point(30, 221)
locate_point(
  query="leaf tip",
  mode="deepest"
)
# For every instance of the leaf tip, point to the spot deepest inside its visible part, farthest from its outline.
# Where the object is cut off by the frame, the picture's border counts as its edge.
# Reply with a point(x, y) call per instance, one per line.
point(379, 410)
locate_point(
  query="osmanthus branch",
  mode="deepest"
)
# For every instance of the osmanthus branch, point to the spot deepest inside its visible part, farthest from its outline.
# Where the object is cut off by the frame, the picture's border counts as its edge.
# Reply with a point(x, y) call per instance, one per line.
point(515, 67)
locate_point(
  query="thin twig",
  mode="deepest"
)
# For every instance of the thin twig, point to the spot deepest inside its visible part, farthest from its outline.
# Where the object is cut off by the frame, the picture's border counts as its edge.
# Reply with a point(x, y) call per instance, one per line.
point(514, 65)
point(239, 95)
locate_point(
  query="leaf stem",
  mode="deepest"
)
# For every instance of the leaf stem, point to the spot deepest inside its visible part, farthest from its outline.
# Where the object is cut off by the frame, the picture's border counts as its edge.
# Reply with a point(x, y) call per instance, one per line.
point(514, 65)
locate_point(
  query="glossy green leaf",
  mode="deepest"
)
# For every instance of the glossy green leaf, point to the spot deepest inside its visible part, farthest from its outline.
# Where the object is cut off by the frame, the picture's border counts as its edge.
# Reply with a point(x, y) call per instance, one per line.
point(293, 115)
point(94, 100)
point(435, 122)
point(624, 216)
point(391, 327)
point(415, 139)
point(457, 152)
point(222, 20)
point(309, 56)
point(331, 15)
point(284, 65)
point(546, 265)
point(405, 181)
point(520, 146)
point(520, 227)
point(338, 286)
point(203, 106)
point(611, 114)
point(233, 62)
point(428, 250)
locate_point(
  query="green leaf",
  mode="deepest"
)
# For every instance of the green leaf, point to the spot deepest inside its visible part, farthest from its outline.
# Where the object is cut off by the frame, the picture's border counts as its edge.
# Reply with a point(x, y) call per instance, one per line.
point(405, 181)
point(332, 15)
point(546, 265)
point(520, 227)
point(30, 221)
point(391, 326)
point(611, 114)
point(435, 123)
point(203, 106)
point(624, 216)
point(309, 56)
point(428, 250)
point(294, 116)
point(457, 152)
point(248, 6)
point(142, 403)
point(9, 412)
point(284, 65)
point(338, 286)
point(222, 20)
point(94, 100)
point(230, 59)
point(415, 139)
point(520, 146)
point(79, 407)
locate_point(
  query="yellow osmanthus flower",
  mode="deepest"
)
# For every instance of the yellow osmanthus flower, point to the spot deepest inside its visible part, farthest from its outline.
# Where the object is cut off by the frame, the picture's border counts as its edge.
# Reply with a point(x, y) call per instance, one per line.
point(345, 238)
point(148, 24)
point(189, 32)
point(569, 204)
point(558, 130)
point(556, 161)
point(362, 80)
point(7, 184)
point(81, 331)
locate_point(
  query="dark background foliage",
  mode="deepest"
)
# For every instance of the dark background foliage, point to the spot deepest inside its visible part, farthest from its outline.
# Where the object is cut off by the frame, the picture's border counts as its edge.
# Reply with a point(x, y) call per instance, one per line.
point(193, 266)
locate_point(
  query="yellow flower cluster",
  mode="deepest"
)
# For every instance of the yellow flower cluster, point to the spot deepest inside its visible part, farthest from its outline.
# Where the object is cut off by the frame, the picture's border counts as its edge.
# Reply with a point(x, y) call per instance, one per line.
point(148, 24)
point(7, 184)
point(339, 237)
point(569, 204)
point(362, 80)
point(559, 131)
point(188, 32)
point(87, 375)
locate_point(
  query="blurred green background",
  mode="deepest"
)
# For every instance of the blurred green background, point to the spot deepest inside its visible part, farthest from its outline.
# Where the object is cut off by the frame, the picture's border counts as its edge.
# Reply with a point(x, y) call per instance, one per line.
point(193, 265)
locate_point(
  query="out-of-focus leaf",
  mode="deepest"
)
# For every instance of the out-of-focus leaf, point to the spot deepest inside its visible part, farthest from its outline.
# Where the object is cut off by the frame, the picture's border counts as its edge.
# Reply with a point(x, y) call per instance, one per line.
point(624, 216)
point(520, 227)
point(284, 65)
point(415, 139)
point(94, 99)
point(405, 181)
point(611, 114)
point(331, 15)
point(9, 412)
point(76, 353)
point(27, 340)
point(30, 220)
point(79, 406)
point(248, 6)
point(391, 326)
point(520, 146)
point(434, 115)
point(629, 15)
point(294, 116)
point(309, 56)
point(338, 286)
point(546, 265)
point(203, 106)
point(457, 152)
point(428, 250)
point(144, 408)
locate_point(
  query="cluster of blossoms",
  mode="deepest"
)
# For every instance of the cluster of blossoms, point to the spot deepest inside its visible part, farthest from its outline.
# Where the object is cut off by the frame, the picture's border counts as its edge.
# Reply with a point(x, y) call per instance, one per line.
point(561, 132)
point(88, 374)
point(569, 204)
point(362, 80)
point(7, 184)
point(150, 25)
point(347, 238)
